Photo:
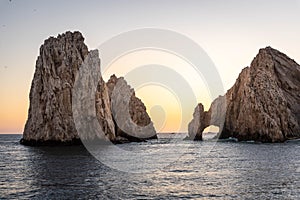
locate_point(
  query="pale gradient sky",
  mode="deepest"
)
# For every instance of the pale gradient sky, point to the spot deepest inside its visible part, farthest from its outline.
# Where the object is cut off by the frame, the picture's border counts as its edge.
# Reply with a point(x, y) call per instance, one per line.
point(231, 32)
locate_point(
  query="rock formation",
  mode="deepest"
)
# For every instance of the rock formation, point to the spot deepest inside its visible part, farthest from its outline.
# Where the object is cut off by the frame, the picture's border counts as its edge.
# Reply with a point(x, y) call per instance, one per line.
point(50, 116)
point(90, 102)
point(263, 104)
point(103, 111)
point(202, 119)
point(197, 125)
point(136, 112)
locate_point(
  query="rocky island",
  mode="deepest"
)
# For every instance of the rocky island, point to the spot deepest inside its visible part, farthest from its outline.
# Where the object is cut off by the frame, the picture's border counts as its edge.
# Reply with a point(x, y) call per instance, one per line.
point(263, 105)
point(50, 116)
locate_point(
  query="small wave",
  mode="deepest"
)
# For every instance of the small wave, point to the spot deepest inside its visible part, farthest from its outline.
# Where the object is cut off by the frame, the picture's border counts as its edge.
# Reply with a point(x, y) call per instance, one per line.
point(230, 139)
point(293, 141)
point(249, 141)
point(181, 171)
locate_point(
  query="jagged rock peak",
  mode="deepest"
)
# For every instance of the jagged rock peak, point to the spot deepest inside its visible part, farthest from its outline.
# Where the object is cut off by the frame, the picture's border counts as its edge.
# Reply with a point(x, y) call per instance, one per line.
point(137, 111)
point(137, 108)
point(66, 41)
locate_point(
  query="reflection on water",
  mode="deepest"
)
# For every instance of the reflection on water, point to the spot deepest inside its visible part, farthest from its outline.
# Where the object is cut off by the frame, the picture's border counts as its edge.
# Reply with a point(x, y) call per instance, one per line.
point(230, 170)
point(209, 135)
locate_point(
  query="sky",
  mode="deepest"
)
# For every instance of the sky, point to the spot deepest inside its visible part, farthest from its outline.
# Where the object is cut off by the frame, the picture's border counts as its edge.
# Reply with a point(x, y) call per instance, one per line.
point(230, 32)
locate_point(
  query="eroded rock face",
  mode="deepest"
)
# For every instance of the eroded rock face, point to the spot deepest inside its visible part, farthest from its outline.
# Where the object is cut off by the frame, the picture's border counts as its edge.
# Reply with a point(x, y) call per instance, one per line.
point(197, 125)
point(139, 127)
point(202, 119)
point(50, 112)
point(103, 111)
point(90, 102)
point(50, 116)
point(264, 103)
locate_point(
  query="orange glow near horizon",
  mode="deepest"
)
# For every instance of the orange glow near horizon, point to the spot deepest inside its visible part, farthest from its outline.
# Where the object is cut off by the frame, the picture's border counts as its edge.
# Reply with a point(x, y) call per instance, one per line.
point(165, 111)
point(159, 96)
point(163, 106)
point(13, 118)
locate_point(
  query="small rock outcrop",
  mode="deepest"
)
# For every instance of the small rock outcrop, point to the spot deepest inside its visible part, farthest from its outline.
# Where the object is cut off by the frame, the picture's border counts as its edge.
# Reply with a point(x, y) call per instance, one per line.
point(133, 123)
point(50, 116)
point(197, 125)
point(263, 104)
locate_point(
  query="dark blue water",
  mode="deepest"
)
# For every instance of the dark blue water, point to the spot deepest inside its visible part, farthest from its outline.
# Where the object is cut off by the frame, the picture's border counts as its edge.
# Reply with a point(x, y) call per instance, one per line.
point(230, 170)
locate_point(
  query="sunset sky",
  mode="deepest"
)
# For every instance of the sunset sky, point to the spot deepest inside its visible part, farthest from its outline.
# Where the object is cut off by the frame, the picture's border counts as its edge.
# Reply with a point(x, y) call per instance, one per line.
point(230, 32)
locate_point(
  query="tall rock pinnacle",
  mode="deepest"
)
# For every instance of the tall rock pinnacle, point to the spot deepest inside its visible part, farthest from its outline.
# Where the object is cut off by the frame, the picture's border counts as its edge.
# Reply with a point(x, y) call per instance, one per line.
point(50, 112)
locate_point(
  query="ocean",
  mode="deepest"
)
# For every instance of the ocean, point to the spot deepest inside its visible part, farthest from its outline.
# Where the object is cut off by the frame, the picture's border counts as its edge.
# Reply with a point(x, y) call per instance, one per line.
point(167, 168)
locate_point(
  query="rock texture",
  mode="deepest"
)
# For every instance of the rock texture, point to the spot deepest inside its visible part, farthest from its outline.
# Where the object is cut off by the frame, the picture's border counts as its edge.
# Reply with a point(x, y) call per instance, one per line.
point(263, 105)
point(139, 127)
point(103, 111)
point(90, 102)
point(50, 116)
point(202, 119)
point(197, 125)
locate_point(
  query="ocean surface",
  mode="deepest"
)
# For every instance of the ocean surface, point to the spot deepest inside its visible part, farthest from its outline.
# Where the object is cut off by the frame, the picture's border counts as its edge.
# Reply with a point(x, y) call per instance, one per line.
point(174, 169)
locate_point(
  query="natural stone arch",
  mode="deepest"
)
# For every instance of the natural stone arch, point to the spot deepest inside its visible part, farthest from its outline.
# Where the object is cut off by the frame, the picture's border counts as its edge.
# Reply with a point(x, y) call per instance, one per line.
point(202, 119)
point(210, 132)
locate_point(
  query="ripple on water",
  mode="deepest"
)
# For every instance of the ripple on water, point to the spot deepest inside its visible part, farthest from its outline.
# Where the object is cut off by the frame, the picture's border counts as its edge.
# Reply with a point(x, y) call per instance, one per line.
point(228, 170)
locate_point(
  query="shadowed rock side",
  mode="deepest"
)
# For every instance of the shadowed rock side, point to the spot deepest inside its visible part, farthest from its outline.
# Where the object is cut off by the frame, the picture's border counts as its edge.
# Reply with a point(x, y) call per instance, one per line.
point(103, 111)
point(137, 113)
point(264, 103)
point(50, 117)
